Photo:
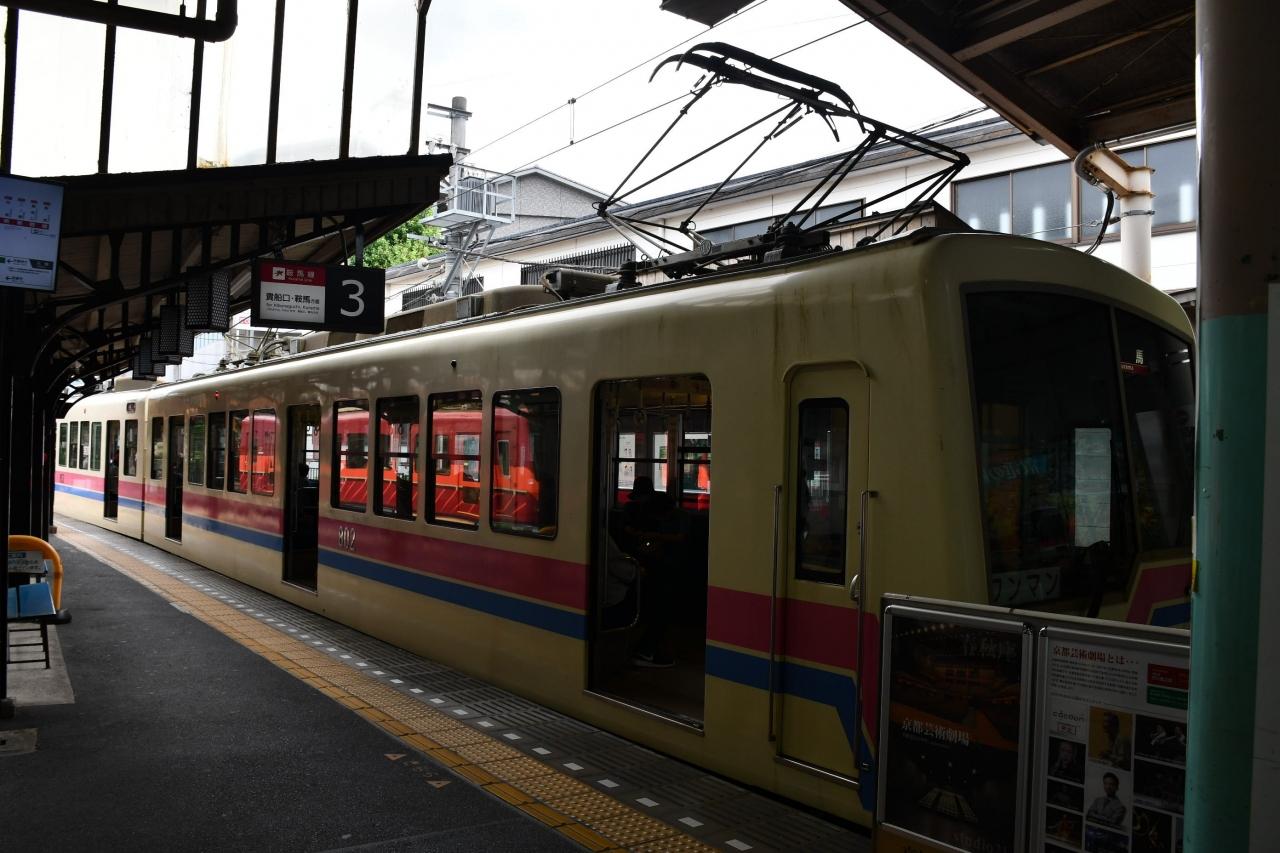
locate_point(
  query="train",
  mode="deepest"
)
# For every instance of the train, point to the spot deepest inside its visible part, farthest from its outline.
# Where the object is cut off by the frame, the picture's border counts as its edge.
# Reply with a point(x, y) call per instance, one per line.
point(673, 510)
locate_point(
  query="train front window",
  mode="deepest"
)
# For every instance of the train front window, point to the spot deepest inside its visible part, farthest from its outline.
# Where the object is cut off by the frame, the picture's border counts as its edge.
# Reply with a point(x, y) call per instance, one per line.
point(1160, 400)
point(1052, 457)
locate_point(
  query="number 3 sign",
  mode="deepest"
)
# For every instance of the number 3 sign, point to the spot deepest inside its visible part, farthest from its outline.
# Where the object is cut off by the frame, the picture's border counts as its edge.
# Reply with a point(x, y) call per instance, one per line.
point(289, 295)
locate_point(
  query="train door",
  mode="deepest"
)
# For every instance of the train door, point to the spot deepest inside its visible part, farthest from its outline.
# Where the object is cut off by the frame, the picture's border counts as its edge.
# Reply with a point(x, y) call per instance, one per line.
point(818, 647)
point(302, 497)
point(111, 482)
point(173, 484)
point(652, 509)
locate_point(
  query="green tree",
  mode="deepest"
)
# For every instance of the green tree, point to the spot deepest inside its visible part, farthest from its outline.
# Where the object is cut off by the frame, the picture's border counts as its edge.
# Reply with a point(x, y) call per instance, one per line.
point(397, 247)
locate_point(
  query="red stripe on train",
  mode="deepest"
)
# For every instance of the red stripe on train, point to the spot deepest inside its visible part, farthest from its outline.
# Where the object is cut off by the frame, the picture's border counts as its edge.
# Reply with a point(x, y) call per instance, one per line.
point(268, 519)
point(541, 578)
point(95, 483)
point(821, 633)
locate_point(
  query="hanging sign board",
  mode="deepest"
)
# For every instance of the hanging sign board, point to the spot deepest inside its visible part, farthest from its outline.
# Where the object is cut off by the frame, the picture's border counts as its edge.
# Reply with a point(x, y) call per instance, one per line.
point(291, 295)
point(955, 706)
point(1112, 745)
point(30, 228)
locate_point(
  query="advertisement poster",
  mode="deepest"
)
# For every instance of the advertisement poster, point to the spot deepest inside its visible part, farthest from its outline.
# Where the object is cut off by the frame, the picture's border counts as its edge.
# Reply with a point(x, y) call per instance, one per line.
point(1113, 744)
point(954, 708)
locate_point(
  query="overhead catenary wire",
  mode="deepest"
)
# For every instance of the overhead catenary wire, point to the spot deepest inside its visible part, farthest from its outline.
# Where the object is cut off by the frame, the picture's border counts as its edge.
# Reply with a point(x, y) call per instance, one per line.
point(640, 114)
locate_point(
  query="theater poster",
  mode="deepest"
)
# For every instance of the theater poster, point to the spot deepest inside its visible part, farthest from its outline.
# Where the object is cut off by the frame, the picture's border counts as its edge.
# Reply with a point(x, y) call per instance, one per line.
point(1111, 751)
point(954, 717)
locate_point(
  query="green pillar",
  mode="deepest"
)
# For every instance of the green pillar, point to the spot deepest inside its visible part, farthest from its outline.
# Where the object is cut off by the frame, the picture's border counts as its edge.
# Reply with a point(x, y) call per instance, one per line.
point(1239, 237)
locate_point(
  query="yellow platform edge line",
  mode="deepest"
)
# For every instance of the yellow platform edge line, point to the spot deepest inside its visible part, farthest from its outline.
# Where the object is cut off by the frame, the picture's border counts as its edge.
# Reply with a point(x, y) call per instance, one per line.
point(277, 649)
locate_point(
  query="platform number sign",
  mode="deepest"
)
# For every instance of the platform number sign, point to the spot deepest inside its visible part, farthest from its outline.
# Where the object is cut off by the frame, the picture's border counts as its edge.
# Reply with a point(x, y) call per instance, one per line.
point(291, 295)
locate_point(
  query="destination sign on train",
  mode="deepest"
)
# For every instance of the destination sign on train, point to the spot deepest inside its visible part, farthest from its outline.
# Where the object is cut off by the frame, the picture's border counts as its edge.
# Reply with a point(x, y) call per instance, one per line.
point(291, 295)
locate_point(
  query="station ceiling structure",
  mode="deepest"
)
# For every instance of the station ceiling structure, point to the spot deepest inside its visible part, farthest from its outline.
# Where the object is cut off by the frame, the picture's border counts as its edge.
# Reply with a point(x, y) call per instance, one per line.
point(133, 243)
point(1069, 72)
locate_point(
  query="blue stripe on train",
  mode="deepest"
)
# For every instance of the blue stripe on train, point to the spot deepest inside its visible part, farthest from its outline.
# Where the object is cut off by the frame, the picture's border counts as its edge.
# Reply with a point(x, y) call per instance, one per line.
point(254, 537)
point(130, 503)
point(806, 682)
point(543, 616)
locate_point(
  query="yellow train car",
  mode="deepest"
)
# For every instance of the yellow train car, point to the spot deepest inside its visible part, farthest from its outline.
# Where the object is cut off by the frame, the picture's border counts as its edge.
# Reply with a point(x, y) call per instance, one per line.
point(97, 478)
point(730, 472)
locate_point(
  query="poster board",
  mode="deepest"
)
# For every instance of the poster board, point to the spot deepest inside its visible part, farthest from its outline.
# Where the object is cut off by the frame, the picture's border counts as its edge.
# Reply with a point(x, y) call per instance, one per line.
point(954, 731)
point(1111, 745)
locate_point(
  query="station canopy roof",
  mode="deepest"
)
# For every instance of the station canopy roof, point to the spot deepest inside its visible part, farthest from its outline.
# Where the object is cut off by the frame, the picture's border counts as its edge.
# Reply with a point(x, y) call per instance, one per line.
point(1071, 72)
point(131, 241)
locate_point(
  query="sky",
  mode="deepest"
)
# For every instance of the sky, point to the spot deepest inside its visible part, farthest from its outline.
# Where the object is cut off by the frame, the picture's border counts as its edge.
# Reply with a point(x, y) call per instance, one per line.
point(514, 60)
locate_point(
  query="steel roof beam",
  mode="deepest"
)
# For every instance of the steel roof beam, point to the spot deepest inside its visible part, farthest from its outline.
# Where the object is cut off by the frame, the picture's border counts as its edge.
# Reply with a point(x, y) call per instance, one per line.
point(994, 37)
point(221, 28)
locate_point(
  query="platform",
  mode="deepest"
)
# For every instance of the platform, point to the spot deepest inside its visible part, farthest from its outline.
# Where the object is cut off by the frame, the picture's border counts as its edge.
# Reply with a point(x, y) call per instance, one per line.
point(196, 713)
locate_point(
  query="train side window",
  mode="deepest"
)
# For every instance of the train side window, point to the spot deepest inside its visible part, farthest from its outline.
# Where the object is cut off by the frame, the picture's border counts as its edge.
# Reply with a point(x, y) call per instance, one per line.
point(131, 448)
point(262, 480)
point(238, 453)
point(454, 421)
point(62, 445)
point(822, 494)
point(157, 448)
point(84, 445)
point(95, 447)
point(74, 457)
point(195, 457)
point(396, 494)
point(217, 455)
point(351, 455)
point(523, 486)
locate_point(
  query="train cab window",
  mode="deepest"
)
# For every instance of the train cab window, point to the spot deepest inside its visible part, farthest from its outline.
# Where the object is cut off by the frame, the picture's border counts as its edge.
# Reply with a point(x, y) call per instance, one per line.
point(1053, 463)
point(62, 445)
point(396, 493)
point(454, 421)
point(217, 455)
point(131, 448)
point(95, 446)
point(351, 455)
point(523, 486)
point(262, 478)
point(84, 445)
point(237, 454)
point(822, 495)
point(652, 522)
point(1160, 402)
point(195, 457)
point(74, 456)
point(157, 448)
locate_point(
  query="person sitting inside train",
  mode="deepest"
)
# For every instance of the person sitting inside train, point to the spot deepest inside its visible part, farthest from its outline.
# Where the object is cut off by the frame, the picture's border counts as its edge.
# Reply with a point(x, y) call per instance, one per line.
point(654, 530)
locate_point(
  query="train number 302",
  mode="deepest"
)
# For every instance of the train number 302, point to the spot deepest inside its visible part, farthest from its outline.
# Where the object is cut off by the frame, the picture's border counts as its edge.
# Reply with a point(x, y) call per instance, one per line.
point(347, 538)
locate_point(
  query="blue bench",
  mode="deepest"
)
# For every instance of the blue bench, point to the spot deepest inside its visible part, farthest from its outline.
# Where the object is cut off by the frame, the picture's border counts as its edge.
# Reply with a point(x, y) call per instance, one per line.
point(30, 603)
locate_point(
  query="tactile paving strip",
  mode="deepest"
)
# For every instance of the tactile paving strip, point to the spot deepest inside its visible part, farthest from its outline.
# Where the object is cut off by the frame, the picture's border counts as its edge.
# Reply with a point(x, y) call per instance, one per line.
point(496, 740)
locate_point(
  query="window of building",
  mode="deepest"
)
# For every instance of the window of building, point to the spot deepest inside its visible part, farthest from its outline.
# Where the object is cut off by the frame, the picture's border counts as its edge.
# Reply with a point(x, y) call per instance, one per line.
point(238, 451)
point(62, 445)
point(157, 448)
point(85, 444)
point(131, 447)
point(396, 494)
point(455, 426)
point(95, 447)
point(217, 456)
point(195, 458)
point(351, 454)
point(523, 489)
point(263, 480)
point(1034, 202)
point(73, 458)
point(1174, 183)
